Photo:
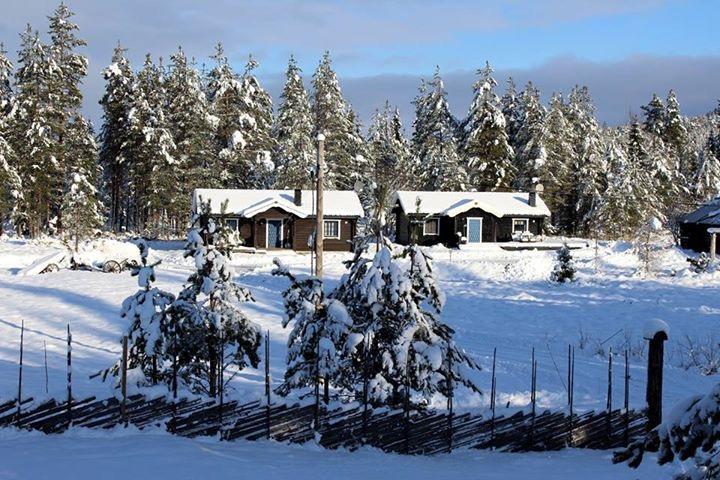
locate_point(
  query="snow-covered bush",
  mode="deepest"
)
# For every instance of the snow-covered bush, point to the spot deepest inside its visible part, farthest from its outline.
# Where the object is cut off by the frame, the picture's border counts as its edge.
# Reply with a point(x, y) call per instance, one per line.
point(214, 332)
point(690, 434)
point(401, 347)
point(564, 270)
point(320, 336)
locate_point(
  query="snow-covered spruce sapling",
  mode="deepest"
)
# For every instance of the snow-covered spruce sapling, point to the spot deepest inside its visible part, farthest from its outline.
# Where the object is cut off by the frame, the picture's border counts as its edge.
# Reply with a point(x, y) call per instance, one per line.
point(215, 333)
point(564, 270)
point(395, 302)
point(148, 311)
point(690, 434)
point(320, 337)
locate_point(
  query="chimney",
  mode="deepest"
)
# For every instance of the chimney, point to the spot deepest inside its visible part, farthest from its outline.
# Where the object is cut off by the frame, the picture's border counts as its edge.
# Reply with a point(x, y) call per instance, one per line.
point(535, 190)
point(297, 198)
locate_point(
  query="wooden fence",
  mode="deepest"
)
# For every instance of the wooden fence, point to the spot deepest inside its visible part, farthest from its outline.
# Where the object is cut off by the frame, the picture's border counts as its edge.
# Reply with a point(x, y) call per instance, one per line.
point(336, 425)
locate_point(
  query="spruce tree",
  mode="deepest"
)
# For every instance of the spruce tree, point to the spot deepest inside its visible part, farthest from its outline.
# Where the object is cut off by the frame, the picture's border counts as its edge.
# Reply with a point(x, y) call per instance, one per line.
point(530, 138)
point(554, 171)
point(216, 334)
point(564, 270)
point(320, 337)
point(293, 133)
point(115, 139)
point(435, 142)
point(333, 119)
point(10, 183)
point(655, 118)
point(191, 127)
point(706, 179)
point(486, 146)
point(512, 110)
point(676, 138)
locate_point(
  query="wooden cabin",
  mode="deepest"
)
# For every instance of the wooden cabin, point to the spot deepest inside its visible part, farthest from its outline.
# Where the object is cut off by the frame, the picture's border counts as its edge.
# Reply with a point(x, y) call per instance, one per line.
point(697, 227)
point(467, 218)
point(285, 219)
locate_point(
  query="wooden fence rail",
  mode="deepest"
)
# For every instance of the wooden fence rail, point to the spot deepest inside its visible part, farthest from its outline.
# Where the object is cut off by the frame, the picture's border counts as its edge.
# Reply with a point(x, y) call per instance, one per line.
point(339, 426)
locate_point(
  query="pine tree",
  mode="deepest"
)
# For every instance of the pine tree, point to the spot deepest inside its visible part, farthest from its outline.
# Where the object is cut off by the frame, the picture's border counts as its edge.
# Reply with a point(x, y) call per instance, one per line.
point(153, 177)
point(655, 117)
point(10, 183)
point(511, 109)
point(676, 138)
point(81, 208)
point(564, 270)
point(320, 335)
point(486, 146)
point(530, 138)
point(706, 178)
point(333, 119)
point(115, 139)
point(149, 314)
point(434, 141)
point(293, 133)
point(554, 171)
point(191, 127)
point(402, 349)
point(216, 334)
point(662, 163)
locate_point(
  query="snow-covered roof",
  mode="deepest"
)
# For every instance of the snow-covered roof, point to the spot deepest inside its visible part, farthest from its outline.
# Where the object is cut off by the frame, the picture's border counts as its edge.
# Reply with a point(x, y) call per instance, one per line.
point(708, 214)
point(500, 204)
point(248, 203)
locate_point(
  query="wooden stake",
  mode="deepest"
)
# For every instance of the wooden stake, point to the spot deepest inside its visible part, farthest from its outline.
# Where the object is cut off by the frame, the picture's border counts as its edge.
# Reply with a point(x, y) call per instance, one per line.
point(366, 386)
point(608, 420)
point(450, 401)
point(320, 228)
point(123, 379)
point(493, 393)
point(653, 394)
point(267, 384)
point(626, 404)
point(47, 380)
point(317, 386)
point(69, 376)
point(20, 372)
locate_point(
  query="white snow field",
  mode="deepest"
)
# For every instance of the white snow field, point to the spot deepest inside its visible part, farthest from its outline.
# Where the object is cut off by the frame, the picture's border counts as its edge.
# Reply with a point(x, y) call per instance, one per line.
point(494, 299)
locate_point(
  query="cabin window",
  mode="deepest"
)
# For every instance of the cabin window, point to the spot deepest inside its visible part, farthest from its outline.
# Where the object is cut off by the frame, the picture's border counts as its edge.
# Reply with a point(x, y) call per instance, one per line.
point(521, 225)
point(332, 229)
point(232, 224)
point(431, 226)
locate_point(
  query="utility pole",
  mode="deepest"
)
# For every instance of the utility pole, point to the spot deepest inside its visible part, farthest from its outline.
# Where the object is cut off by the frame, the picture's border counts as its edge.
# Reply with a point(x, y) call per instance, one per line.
point(320, 228)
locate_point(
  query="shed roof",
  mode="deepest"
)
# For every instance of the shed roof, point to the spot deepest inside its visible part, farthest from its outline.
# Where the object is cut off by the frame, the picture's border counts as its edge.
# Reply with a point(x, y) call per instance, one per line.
point(248, 203)
point(500, 204)
point(708, 214)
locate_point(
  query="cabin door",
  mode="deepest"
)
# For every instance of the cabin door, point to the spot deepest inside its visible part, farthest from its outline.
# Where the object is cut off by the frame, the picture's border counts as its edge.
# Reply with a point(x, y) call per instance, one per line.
point(474, 230)
point(274, 233)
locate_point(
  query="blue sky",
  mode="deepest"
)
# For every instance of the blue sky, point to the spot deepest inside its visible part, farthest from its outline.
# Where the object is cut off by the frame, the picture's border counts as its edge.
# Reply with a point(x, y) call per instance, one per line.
point(623, 50)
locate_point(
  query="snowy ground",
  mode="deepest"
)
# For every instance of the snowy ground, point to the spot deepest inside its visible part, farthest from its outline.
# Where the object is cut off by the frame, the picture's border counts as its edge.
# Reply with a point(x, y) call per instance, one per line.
point(494, 299)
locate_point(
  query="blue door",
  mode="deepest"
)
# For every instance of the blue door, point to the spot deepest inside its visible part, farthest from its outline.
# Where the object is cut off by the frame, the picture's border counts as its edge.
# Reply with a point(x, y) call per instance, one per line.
point(274, 229)
point(474, 230)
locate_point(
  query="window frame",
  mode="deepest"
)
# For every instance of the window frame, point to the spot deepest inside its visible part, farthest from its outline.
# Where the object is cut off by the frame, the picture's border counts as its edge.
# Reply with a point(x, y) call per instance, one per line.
point(437, 230)
point(527, 225)
point(233, 220)
point(338, 222)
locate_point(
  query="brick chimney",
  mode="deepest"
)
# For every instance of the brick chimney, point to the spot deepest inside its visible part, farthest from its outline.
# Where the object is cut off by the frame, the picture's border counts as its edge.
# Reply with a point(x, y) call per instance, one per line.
point(297, 198)
point(535, 190)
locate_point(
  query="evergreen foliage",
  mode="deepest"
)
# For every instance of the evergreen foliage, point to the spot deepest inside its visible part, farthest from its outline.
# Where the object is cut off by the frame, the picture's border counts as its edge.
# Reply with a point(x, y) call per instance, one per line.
point(564, 270)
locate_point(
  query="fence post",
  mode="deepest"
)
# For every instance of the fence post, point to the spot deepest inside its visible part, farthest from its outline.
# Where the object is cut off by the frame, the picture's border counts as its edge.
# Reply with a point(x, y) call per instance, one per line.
point(123, 379)
point(653, 394)
point(69, 376)
point(221, 380)
point(533, 386)
point(626, 404)
point(47, 379)
point(317, 386)
point(366, 386)
point(20, 372)
point(608, 420)
point(407, 412)
point(571, 393)
point(450, 401)
point(267, 384)
point(493, 393)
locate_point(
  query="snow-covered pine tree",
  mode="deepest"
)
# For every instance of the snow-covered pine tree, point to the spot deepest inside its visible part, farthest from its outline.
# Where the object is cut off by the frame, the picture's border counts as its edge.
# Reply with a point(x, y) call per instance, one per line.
point(216, 334)
point(485, 146)
point(706, 179)
point(154, 179)
point(32, 137)
point(434, 141)
point(320, 338)
point(588, 163)
point(676, 138)
point(530, 150)
point(512, 110)
point(81, 208)
point(149, 332)
point(293, 133)
point(402, 344)
point(10, 183)
point(192, 128)
point(252, 142)
point(332, 118)
point(655, 117)
point(554, 171)
point(661, 163)
point(564, 269)
point(115, 138)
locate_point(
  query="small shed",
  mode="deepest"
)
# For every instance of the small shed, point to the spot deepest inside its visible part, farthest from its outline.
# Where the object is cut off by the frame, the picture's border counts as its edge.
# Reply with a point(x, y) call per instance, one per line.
point(452, 218)
point(285, 219)
point(698, 227)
